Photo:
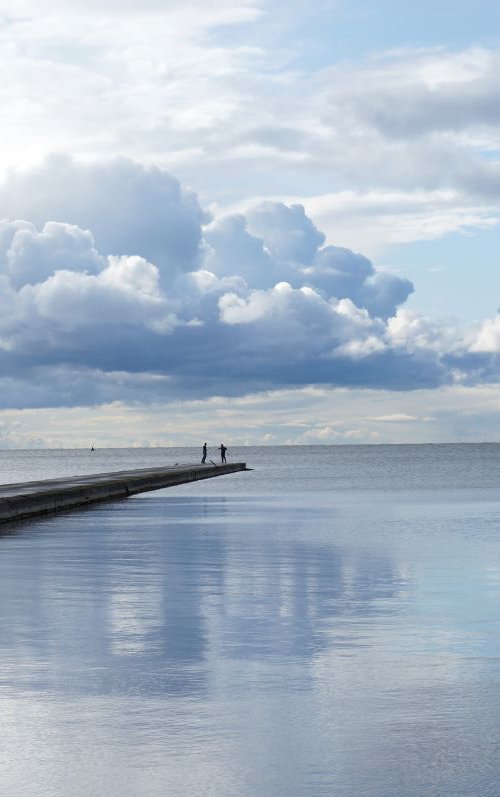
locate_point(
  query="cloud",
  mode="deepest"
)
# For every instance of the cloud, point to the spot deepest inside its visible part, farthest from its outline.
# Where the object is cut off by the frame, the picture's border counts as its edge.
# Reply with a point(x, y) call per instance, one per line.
point(287, 232)
point(432, 91)
point(238, 116)
point(149, 285)
point(128, 209)
point(373, 220)
point(414, 332)
point(232, 249)
point(289, 416)
point(29, 8)
point(126, 292)
point(274, 243)
point(29, 256)
point(408, 139)
point(487, 337)
point(340, 272)
point(412, 118)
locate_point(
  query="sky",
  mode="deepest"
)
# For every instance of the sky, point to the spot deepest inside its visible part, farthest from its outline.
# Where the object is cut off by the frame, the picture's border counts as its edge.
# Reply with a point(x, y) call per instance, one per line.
point(249, 220)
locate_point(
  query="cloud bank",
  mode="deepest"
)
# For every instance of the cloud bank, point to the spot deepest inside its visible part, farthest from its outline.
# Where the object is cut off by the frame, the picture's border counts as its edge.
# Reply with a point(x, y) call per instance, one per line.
point(115, 283)
point(410, 133)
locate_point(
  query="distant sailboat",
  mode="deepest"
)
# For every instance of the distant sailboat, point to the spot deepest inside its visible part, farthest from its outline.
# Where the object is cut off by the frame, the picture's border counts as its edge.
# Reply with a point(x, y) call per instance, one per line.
point(92, 448)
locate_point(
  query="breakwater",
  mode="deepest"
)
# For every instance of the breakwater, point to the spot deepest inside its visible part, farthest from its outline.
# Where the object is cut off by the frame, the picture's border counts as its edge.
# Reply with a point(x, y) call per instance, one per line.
point(28, 499)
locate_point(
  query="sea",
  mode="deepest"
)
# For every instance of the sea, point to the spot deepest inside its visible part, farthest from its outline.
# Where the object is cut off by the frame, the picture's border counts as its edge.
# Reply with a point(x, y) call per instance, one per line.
point(327, 623)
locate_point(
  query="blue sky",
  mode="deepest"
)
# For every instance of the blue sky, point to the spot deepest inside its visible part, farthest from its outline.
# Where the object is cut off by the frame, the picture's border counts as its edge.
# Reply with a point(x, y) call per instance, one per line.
point(368, 26)
point(290, 216)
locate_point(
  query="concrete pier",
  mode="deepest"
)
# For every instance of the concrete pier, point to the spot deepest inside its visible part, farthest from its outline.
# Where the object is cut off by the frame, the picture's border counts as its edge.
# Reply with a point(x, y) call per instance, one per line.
point(18, 501)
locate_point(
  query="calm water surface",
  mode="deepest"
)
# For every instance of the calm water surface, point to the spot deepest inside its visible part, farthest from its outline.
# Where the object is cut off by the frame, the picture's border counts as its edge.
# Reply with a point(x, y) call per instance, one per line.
point(327, 624)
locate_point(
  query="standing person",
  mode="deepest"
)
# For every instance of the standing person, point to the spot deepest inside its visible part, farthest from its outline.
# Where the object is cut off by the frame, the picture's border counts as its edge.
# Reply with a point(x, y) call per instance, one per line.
point(222, 449)
point(204, 449)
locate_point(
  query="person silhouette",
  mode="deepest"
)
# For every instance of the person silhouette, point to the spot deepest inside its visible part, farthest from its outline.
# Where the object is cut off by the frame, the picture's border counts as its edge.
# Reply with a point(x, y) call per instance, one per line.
point(222, 449)
point(204, 449)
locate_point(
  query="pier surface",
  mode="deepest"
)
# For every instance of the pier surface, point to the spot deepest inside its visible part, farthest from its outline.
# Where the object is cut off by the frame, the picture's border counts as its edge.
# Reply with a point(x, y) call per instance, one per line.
point(28, 499)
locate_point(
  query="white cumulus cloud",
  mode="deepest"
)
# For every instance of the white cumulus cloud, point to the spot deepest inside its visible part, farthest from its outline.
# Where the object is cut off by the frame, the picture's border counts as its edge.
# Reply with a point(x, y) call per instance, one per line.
point(120, 270)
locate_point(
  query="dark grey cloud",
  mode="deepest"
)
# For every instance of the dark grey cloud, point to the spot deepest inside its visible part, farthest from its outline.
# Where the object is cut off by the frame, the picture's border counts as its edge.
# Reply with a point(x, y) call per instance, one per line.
point(146, 299)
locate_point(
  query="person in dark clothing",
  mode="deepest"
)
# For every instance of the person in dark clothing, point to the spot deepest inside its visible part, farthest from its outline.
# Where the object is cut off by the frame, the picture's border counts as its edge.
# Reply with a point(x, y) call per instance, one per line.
point(222, 449)
point(204, 449)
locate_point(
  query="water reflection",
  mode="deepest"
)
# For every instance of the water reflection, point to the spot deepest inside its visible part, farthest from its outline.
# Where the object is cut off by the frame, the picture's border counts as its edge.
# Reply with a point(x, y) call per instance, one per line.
point(252, 647)
point(143, 597)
